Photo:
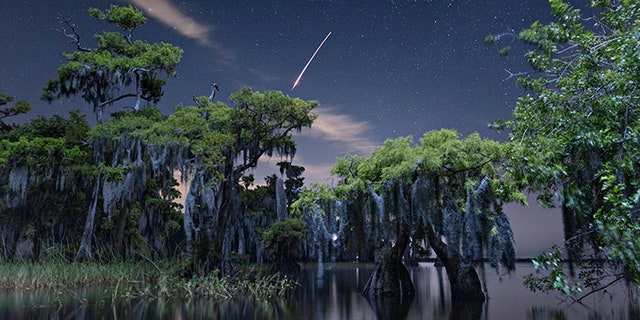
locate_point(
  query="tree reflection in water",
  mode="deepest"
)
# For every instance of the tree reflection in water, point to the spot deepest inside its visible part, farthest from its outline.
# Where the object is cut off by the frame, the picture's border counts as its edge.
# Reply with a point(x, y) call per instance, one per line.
point(392, 308)
point(331, 293)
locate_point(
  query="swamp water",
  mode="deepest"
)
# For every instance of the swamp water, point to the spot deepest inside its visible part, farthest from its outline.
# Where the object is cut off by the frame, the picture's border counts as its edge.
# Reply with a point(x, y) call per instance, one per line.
point(332, 291)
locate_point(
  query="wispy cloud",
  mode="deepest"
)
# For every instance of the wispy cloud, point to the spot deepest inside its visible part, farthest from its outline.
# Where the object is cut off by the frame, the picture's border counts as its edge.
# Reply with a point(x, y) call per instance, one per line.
point(319, 173)
point(349, 134)
point(170, 15)
point(332, 135)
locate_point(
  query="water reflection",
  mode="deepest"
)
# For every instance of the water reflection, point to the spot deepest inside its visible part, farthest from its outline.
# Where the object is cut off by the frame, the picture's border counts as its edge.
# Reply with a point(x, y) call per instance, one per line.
point(331, 291)
point(392, 308)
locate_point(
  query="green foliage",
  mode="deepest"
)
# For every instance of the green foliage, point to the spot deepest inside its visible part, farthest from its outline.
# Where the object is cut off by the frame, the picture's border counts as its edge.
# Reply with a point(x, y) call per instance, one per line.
point(44, 168)
point(125, 124)
point(347, 169)
point(19, 108)
point(554, 278)
point(127, 18)
point(578, 127)
point(394, 160)
point(122, 171)
point(505, 51)
point(618, 224)
point(440, 153)
point(490, 39)
point(263, 122)
point(139, 153)
point(281, 239)
point(103, 74)
point(185, 129)
point(46, 143)
point(404, 191)
point(311, 197)
point(228, 142)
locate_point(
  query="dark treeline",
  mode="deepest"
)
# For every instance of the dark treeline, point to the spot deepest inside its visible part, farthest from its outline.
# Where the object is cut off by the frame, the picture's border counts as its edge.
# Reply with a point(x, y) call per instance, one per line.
point(112, 191)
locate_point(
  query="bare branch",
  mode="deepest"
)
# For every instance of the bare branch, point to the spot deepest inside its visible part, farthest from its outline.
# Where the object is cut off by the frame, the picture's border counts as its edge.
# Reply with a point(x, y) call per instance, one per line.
point(603, 44)
point(74, 36)
point(510, 34)
point(511, 74)
point(572, 46)
point(579, 300)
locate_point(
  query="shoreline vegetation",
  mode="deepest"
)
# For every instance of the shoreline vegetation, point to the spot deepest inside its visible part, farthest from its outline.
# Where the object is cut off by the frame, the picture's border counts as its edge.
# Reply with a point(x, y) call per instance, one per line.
point(144, 279)
point(147, 279)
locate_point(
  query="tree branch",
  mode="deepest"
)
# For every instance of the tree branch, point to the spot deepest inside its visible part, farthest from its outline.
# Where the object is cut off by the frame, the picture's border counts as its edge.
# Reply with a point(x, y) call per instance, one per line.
point(579, 300)
point(438, 246)
point(511, 74)
point(108, 102)
point(74, 36)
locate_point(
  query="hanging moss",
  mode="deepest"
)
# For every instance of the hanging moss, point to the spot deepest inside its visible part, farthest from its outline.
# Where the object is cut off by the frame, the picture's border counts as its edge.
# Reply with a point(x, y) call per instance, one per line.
point(445, 192)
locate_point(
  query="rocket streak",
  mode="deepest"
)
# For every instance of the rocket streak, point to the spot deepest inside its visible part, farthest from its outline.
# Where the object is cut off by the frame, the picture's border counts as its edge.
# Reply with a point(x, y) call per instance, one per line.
point(308, 62)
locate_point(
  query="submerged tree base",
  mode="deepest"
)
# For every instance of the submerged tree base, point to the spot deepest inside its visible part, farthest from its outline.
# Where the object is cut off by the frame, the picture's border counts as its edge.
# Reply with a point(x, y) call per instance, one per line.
point(465, 285)
point(387, 307)
point(389, 279)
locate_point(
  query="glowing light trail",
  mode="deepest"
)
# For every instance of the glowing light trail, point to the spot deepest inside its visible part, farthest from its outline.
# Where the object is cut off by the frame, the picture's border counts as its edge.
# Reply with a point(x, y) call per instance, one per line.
point(310, 59)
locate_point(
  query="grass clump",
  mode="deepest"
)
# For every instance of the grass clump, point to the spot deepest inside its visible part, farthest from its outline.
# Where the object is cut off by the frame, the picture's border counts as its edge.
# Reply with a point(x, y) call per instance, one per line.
point(59, 274)
point(168, 280)
point(142, 279)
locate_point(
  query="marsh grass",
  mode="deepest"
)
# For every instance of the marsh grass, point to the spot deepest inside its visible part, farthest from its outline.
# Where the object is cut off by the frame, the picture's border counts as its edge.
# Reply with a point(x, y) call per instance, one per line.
point(263, 287)
point(143, 279)
point(58, 274)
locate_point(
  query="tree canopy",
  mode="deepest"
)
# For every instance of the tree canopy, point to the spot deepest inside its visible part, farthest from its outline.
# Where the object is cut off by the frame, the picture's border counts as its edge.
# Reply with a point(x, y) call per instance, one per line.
point(122, 176)
point(117, 68)
point(579, 128)
point(415, 196)
point(259, 124)
point(123, 172)
point(19, 108)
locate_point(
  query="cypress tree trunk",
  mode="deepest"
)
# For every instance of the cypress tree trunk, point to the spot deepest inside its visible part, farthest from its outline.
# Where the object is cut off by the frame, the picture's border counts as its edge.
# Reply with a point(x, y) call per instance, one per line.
point(390, 277)
point(84, 252)
point(463, 278)
point(122, 224)
point(219, 258)
point(281, 200)
point(286, 263)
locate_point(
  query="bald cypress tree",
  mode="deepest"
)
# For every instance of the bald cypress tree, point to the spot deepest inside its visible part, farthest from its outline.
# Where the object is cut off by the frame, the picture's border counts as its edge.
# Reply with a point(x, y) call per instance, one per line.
point(447, 191)
point(259, 124)
point(117, 68)
point(45, 171)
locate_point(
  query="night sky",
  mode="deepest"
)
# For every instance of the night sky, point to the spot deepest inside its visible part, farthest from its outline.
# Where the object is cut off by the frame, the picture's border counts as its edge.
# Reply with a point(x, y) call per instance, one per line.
point(389, 68)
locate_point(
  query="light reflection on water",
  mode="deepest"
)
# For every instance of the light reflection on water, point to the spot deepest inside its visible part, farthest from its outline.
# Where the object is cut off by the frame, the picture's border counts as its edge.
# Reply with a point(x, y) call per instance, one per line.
point(333, 292)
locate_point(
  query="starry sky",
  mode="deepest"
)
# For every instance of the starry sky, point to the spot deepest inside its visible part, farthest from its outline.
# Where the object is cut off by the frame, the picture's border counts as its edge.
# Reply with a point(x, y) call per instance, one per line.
point(389, 69)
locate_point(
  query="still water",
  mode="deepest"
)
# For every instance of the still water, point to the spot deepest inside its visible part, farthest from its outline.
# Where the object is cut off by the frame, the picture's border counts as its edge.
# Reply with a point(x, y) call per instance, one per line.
point(332, 291)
